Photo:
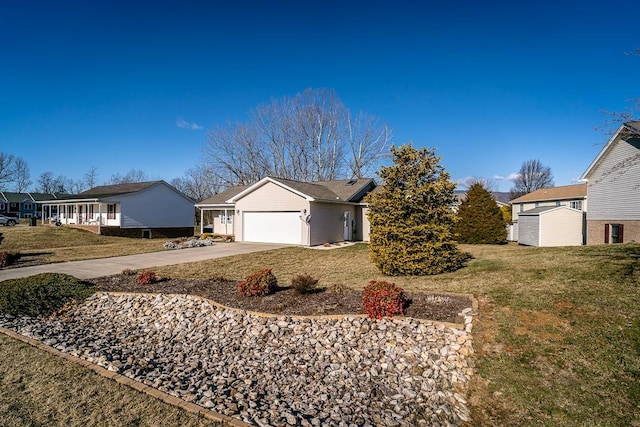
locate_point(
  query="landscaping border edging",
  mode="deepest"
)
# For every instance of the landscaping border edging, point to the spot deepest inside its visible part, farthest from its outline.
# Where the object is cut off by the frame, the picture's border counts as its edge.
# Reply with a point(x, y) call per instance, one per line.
point(474, 307)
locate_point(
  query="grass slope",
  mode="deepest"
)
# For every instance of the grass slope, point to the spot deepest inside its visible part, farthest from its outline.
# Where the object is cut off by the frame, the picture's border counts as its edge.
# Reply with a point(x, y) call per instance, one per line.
point(557, 338)
point(40, 389)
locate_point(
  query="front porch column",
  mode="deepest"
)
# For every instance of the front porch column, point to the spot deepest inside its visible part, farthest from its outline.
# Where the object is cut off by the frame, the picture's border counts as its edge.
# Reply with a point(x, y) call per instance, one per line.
point(99, 217)
point(201, 221)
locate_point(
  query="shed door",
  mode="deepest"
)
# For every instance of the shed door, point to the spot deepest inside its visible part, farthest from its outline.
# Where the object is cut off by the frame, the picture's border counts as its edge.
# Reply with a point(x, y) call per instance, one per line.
point(272, 227)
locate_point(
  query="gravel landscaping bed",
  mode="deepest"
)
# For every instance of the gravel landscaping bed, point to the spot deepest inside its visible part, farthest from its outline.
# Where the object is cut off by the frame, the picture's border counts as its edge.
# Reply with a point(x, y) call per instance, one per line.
point(272, 371)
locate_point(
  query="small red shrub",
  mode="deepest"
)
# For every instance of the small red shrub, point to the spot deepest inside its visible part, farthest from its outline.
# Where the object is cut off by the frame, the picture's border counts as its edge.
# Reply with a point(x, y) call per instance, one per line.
point(4, 259)
point(259, 283)
point(146, 278)
point(380, 299)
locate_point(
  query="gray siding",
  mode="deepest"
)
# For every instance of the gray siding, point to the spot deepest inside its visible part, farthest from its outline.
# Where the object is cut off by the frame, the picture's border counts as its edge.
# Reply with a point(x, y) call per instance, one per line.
point(529, 230)
point(156, 206)
point(327, 222)
point(614, 184)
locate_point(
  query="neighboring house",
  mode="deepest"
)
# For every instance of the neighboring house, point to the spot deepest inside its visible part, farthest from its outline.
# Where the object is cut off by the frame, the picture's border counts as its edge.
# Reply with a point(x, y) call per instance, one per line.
point(550, 216)
point(143, 209)
point(285, 211)
point(23, 205)
point(613, 186)
point(501, 197)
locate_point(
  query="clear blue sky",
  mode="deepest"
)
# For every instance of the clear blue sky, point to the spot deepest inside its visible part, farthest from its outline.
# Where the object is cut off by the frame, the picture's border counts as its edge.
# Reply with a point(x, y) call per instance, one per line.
point(136, 85)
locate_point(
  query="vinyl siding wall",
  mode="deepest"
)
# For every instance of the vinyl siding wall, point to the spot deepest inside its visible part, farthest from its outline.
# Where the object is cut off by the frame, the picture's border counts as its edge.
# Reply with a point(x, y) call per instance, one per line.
point(561, 227)
point(515, 209)
point(327, 222)
point(529, 230)
point(614, 184)
point(155, 207)
point(271, 198)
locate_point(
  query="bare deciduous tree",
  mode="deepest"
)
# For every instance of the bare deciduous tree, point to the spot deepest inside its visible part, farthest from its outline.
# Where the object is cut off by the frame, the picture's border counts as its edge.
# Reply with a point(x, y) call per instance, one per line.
point(7, 169)
point(134, 175)
point(532, 176)
point(198, 183)
point(308, 137)
point(21, 176)
point(48, 184)
point(369, 142)
point(90, 178)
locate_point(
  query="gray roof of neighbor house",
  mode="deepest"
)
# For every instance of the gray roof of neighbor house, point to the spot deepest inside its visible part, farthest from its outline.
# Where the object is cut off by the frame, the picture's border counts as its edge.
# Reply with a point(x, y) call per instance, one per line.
point(12, 197)
point(542, 209)
point(576, 191)
point(38, 197)
point(498, 196)
point(105, 191)
point(116, 189)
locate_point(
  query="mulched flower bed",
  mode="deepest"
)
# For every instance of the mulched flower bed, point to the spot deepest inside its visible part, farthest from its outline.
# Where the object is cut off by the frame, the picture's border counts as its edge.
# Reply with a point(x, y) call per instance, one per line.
point(286, 301)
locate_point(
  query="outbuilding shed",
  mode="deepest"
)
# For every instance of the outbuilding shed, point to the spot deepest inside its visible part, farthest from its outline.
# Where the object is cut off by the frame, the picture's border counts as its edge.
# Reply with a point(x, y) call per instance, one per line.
point(551, 226)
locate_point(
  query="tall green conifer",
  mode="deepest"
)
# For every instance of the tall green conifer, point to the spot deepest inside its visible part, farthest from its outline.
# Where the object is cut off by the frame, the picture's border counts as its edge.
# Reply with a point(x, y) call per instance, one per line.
point(411, 216)
point(480, 220)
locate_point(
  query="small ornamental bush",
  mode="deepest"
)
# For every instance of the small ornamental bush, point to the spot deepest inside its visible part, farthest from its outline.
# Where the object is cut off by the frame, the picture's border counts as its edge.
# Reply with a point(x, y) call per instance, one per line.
point(4, 259)
point(380, 299)
point(259, 283)
point(42, 294)
point(304, 284)
point(128, 272)
point(146, 278)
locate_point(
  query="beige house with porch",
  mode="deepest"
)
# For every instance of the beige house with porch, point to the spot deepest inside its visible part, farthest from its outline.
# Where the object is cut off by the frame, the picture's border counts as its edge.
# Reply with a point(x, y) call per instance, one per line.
point(277, 210)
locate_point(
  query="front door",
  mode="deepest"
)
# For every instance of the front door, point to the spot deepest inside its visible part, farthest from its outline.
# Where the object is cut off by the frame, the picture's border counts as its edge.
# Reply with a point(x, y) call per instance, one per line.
point(347, 226)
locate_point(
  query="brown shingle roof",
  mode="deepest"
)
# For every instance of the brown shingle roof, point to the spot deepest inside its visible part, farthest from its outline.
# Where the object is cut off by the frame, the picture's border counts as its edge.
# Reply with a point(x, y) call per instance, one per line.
point(343, 190)
point(575, 191)
point(223, 196)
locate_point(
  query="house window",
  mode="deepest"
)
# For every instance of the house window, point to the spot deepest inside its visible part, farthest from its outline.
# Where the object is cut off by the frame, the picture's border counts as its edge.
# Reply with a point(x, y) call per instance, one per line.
point(537, 204)
point(111, 211)
point(226, 219)
point(558, 203)
point(613, 233)
point(13, 205)
point(28, 206)
point(616, 233)
point(576, 204)
point(90, 212)
point(2, 207)
point(521, 208)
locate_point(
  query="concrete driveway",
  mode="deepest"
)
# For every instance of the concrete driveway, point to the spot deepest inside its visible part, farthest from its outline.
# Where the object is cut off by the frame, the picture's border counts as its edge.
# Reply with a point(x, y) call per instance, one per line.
point(108, 266)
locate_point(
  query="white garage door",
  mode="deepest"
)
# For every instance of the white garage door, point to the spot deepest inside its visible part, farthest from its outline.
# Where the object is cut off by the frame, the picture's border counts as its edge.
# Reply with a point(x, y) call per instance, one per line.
point(272, 227)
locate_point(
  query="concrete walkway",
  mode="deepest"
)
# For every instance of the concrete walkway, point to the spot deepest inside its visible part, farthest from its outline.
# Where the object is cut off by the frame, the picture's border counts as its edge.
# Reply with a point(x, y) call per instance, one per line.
point(108, 266)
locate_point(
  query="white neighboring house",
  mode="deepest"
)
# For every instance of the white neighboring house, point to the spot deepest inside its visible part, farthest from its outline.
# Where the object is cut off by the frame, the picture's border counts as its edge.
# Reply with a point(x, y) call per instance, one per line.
point(278, 210)
point(550, 216)
point(142, 209)
point(613, 186)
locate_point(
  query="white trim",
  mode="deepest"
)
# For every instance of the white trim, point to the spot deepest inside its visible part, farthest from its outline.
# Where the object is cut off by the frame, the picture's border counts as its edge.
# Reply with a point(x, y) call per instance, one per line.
point(614, 139)
point(264, 181)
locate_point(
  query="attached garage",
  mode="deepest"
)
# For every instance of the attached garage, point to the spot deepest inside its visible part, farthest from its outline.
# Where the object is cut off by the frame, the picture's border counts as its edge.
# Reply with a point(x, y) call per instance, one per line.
point(272, 227)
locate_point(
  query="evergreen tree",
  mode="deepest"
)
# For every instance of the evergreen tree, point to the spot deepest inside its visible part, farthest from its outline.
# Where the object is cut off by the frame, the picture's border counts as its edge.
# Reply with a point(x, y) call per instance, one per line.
point(480, 220)
point(411, 216)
